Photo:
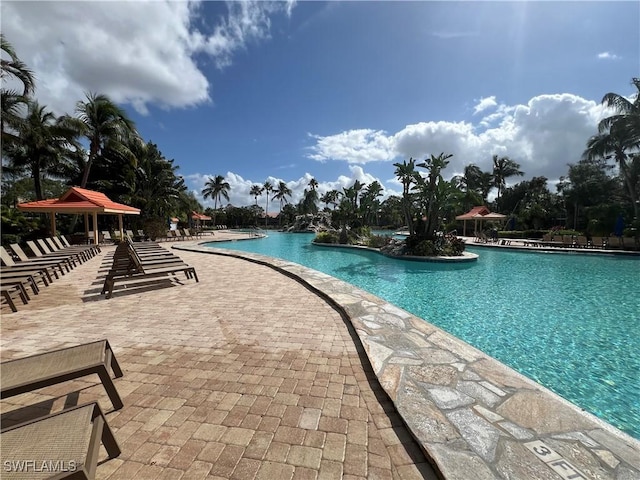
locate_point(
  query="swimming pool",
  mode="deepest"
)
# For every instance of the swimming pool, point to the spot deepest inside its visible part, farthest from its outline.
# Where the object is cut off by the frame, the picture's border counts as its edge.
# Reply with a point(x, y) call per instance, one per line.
point(568, 321)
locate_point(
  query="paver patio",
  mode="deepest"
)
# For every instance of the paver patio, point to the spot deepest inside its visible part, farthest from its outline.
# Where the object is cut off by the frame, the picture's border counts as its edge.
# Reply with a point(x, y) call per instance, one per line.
point(244, 375)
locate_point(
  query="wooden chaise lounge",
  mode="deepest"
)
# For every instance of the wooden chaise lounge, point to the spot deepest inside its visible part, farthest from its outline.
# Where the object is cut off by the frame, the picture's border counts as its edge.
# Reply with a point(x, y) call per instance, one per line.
point(26, 374)
point(133, 267)
point(61, 445)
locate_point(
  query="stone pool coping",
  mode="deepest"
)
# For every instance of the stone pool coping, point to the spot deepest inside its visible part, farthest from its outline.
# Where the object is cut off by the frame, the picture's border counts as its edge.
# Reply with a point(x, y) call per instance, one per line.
point(470, 413)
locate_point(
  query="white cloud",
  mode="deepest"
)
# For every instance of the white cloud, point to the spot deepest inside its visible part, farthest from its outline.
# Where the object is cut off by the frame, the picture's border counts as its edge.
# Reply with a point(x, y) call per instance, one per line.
point(138, 52)
point(485, 103)
point(543, 135)
point(355, 146)
point(608, 56)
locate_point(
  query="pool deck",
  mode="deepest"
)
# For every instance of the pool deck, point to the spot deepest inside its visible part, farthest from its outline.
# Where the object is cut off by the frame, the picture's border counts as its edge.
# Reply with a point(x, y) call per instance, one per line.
point(267, 369)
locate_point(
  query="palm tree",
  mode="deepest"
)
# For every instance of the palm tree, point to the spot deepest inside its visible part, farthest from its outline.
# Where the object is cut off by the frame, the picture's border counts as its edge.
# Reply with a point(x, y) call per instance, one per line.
point(608, 146)
point(268, 188)
point(470, 183)
point(44, 142)
point(313, 184)
point(619, 137)
point(102, 121)
point(504, 168)
point(256, 191)
point(430, 190)
point(626, 123)
point(407, 174)
point(216, 188)
point(158, 189)
point(369, 200)
point(13, 100)
point(281, 193)
point(330, 197)
point(14, 67)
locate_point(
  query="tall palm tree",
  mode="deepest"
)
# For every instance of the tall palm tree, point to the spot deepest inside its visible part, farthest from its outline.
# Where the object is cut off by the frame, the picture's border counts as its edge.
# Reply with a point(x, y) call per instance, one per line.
point(102, 121)
point(406, 173)
point(281, 193)
point(369, 200)
point(45, 142)
point(256, 191)
point(504, 168)
point(470, 183)
point(313, 184)
point(216, 187)
point(268, 188)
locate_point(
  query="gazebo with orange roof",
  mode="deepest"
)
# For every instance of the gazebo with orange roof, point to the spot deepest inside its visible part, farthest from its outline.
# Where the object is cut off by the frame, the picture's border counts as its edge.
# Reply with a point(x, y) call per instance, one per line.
point(481, 214)
point(80, 200)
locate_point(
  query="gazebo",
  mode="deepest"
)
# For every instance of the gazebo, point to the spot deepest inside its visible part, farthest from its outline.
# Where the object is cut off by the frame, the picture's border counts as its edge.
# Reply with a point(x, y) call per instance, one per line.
point(78, 200)
point(479, 214)
point(199, 217)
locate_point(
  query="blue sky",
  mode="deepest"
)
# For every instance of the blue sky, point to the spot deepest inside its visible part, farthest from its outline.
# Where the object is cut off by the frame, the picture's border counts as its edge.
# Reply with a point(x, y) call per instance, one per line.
point(338, 91)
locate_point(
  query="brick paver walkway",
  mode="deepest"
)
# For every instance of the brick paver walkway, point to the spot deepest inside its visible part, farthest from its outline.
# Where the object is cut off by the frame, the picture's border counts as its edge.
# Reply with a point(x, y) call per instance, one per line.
point(244, 375)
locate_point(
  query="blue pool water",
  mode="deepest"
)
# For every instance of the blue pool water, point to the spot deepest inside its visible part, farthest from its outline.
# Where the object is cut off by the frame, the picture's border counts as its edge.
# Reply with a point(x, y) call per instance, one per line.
point(570, 322)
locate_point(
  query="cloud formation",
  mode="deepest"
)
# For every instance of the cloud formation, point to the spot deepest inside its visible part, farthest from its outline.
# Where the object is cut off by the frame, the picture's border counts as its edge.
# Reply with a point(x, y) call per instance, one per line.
point(543, 135)
point(608, 56)
point(136, 54)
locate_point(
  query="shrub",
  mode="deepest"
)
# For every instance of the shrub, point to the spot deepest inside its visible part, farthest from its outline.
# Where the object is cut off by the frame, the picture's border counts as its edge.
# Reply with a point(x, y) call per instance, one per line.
point(326, 237)
point(425, 248)
point(378, 241)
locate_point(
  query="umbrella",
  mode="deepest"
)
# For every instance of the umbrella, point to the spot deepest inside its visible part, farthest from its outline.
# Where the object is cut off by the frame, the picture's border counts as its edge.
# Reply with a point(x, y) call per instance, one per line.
point(619, 227)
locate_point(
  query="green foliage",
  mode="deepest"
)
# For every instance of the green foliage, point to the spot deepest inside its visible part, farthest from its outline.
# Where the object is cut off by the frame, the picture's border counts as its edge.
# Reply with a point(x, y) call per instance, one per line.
point(326, 237)
point(453, 247)
point(155, 228)
point(378, 241)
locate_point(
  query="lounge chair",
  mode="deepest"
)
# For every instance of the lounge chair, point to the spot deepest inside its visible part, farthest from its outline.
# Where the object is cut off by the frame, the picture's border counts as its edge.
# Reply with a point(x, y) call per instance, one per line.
point(135, 268)
point(58, 245)
point(70, 260)
point(26, 374)
point(12, 271)
point(581, 241)
point(597, 242)
point(17, 288)
point(67, 443)
point(78, 255)
point(54, 265)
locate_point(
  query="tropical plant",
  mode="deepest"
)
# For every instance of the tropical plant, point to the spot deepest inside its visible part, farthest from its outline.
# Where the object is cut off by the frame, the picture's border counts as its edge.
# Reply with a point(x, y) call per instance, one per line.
point(281, 194)
point(407, 174)
point(43, 142)
point(101, 121)
point(216, 188)
point(255, 191)
point(430, 194)
point(619, 138)
point(11, 67)
point(330, 197)
point(268, 188)
point(504, 168)
point(158, 189)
